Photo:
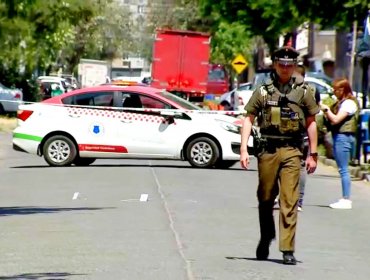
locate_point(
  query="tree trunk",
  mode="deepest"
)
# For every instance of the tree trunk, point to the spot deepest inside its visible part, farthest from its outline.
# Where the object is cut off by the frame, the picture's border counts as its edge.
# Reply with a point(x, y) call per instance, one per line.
point(341, 57)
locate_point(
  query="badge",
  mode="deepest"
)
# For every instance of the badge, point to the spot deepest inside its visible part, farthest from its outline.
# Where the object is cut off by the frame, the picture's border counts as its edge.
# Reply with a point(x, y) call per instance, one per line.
point(96, 129)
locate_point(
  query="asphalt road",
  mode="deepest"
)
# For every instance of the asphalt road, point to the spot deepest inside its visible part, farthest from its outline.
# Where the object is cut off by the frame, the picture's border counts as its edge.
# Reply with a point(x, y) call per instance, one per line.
point(196, 224)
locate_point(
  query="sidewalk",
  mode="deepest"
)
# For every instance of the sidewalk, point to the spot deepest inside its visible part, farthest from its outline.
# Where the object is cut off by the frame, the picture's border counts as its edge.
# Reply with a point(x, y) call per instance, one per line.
point(356, 171)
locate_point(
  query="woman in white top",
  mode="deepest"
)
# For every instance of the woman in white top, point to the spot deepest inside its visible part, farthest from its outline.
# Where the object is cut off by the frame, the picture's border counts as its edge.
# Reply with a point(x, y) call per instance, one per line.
point(342, 120)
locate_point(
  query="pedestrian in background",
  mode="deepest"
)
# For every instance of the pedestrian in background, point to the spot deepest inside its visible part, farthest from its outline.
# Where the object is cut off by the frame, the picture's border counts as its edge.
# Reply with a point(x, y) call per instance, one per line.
point(285, 111)
point(303, 175)
point(342, 118)
point(328, 67)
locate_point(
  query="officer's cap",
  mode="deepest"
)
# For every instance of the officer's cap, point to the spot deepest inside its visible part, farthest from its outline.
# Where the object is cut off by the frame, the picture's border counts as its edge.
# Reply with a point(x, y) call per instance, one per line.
point(286, 55)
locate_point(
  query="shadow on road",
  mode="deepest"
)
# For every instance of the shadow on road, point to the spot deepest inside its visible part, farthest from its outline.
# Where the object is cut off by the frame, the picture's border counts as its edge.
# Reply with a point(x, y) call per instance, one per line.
point(279, 261)
point(315, 205)
point(8, 211)
point(132, 165)
point(41, 276)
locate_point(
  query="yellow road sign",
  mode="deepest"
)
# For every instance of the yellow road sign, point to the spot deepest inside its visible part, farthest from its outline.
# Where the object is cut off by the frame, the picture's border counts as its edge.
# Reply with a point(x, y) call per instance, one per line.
point(239, 63)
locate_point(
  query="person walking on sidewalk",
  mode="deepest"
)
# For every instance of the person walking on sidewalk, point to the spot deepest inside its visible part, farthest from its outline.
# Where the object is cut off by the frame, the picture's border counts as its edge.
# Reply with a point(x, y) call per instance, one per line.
point(286, 111)
point(341, 120)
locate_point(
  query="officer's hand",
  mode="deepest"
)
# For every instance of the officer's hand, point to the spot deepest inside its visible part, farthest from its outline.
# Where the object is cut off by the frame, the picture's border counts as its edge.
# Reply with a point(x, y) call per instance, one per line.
point(244, 159)
point(311, 164)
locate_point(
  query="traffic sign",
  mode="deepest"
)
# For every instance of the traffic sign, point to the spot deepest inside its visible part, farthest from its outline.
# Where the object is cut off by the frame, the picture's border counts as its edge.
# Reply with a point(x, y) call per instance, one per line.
point(239, 63)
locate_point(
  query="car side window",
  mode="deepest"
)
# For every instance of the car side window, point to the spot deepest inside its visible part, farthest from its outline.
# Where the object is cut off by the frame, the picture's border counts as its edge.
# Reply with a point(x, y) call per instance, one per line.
point(149, 102)
point(104, 99)
point(135, 100)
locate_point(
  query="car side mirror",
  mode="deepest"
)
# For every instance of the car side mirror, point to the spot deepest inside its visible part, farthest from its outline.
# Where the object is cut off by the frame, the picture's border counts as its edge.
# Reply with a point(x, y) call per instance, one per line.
point(170, 116)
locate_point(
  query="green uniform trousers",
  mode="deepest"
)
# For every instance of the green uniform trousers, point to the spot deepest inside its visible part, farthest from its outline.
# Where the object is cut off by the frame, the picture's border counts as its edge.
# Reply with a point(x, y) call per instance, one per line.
point(279, 166)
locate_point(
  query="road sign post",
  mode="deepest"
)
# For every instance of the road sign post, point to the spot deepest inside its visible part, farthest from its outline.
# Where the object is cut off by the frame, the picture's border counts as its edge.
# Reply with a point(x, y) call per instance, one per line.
point(239, 64)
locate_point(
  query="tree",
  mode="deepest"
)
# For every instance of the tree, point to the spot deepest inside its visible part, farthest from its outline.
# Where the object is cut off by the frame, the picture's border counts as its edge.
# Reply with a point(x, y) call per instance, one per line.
point(272, 18)
point(34, 33)
point(104, 33)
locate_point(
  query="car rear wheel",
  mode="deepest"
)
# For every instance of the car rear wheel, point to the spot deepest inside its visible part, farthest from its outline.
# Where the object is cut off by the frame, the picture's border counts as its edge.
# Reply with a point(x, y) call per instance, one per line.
point(83, 161)
point(2, 111)
point(202, 152)
point(59, 150)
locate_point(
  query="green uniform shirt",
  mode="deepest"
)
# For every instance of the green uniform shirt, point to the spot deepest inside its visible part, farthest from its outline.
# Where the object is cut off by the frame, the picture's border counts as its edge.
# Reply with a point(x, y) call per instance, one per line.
point(283, 118)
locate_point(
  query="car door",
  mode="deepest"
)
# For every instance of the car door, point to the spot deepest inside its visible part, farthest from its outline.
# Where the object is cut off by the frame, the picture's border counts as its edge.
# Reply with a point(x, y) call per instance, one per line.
point(93, 123)
point(150, 134)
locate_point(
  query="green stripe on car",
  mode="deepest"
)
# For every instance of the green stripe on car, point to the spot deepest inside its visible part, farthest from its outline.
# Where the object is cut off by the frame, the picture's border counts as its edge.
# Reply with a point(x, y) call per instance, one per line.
point(27, 137)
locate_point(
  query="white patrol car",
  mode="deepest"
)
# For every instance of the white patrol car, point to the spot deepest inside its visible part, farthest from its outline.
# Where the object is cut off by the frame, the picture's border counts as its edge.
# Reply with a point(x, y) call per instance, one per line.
point(66, 135)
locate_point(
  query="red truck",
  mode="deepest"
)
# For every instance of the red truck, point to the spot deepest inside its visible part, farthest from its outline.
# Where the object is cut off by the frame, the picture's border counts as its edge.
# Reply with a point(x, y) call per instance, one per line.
point(181, 64)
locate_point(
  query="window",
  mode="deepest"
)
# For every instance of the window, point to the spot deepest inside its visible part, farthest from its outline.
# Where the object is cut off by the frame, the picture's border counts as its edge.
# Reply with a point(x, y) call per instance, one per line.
point(104, 99)
point(149, 102)
point(140, 9)
point(216, 74)
point(134, 100)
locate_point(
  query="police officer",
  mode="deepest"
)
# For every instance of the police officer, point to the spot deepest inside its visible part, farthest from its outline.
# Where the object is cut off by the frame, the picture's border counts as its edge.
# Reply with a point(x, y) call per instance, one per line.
point(285, 111)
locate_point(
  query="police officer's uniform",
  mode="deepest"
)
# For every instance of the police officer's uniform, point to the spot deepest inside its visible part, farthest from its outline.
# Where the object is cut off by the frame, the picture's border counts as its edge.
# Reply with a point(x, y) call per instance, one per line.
point(281, 110)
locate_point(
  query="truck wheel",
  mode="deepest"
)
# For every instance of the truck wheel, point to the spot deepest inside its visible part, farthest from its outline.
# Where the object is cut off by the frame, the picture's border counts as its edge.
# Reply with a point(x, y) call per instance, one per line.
point(59, 150)
point(202, 152)
point(83, 161)
point(225, 164)
point(2, 111)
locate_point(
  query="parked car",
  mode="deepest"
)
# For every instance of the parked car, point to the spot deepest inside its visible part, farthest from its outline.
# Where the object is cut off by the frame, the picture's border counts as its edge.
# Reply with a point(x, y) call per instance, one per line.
point(48, 82)
point(237, 98)
point(326, 90)
point(9, 99)
point(120, 122)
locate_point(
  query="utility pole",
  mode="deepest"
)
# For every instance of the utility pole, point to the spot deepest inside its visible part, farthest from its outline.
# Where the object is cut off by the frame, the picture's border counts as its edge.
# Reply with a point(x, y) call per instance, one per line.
point(311, 44)
point(353, 53)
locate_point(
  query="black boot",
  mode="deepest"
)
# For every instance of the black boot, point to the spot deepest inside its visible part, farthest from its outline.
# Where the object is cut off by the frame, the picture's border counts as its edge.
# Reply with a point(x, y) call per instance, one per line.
point(263, 251)
point(267, 227)
point(288, 258)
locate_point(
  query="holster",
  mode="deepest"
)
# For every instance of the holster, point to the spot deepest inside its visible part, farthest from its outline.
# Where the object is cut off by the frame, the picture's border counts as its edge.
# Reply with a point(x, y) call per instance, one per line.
point(259, 145)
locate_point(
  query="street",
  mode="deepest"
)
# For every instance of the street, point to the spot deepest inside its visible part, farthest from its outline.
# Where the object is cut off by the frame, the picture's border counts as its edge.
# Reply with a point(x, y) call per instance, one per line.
point(89, 223)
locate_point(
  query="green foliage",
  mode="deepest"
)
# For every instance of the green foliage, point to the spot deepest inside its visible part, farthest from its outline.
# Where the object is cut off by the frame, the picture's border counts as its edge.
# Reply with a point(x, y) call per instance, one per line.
point(229, 40)
point(45, 35)
point(271, 18)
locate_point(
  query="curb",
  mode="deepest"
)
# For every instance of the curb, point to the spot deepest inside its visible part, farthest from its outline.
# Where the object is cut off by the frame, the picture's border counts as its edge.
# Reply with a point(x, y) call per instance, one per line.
point(355, 171)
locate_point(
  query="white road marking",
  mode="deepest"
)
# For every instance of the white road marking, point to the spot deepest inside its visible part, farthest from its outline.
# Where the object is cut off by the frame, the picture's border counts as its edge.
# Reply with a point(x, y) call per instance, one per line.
point(75, 195)
point(143, 197)
point(179, 243)
point(131, 199)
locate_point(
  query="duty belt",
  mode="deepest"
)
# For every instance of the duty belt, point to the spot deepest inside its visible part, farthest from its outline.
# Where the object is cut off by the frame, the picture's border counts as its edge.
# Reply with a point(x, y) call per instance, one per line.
point(273, 141)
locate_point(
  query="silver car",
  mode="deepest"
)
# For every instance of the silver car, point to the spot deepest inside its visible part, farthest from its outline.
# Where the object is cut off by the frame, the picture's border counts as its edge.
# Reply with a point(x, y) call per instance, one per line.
point(9, 99)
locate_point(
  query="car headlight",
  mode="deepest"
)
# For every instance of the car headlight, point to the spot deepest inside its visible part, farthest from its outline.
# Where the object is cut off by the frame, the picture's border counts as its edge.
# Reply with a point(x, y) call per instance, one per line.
point(229, 126)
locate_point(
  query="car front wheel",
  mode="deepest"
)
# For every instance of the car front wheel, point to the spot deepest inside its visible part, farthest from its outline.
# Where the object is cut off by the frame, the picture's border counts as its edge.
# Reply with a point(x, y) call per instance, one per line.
point(59, 150)
point(202, 152)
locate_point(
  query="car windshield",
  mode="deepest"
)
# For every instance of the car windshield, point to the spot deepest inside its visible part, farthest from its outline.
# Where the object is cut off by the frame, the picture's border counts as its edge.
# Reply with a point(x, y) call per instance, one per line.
point(182, 102)
point(216, 74)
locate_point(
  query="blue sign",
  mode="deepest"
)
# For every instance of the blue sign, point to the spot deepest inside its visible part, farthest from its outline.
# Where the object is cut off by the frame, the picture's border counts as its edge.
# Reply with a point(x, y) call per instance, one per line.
point(96, 129)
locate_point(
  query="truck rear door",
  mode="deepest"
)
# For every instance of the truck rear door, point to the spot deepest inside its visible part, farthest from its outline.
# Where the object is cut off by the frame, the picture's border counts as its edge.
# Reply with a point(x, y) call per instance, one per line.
point(180, 61)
